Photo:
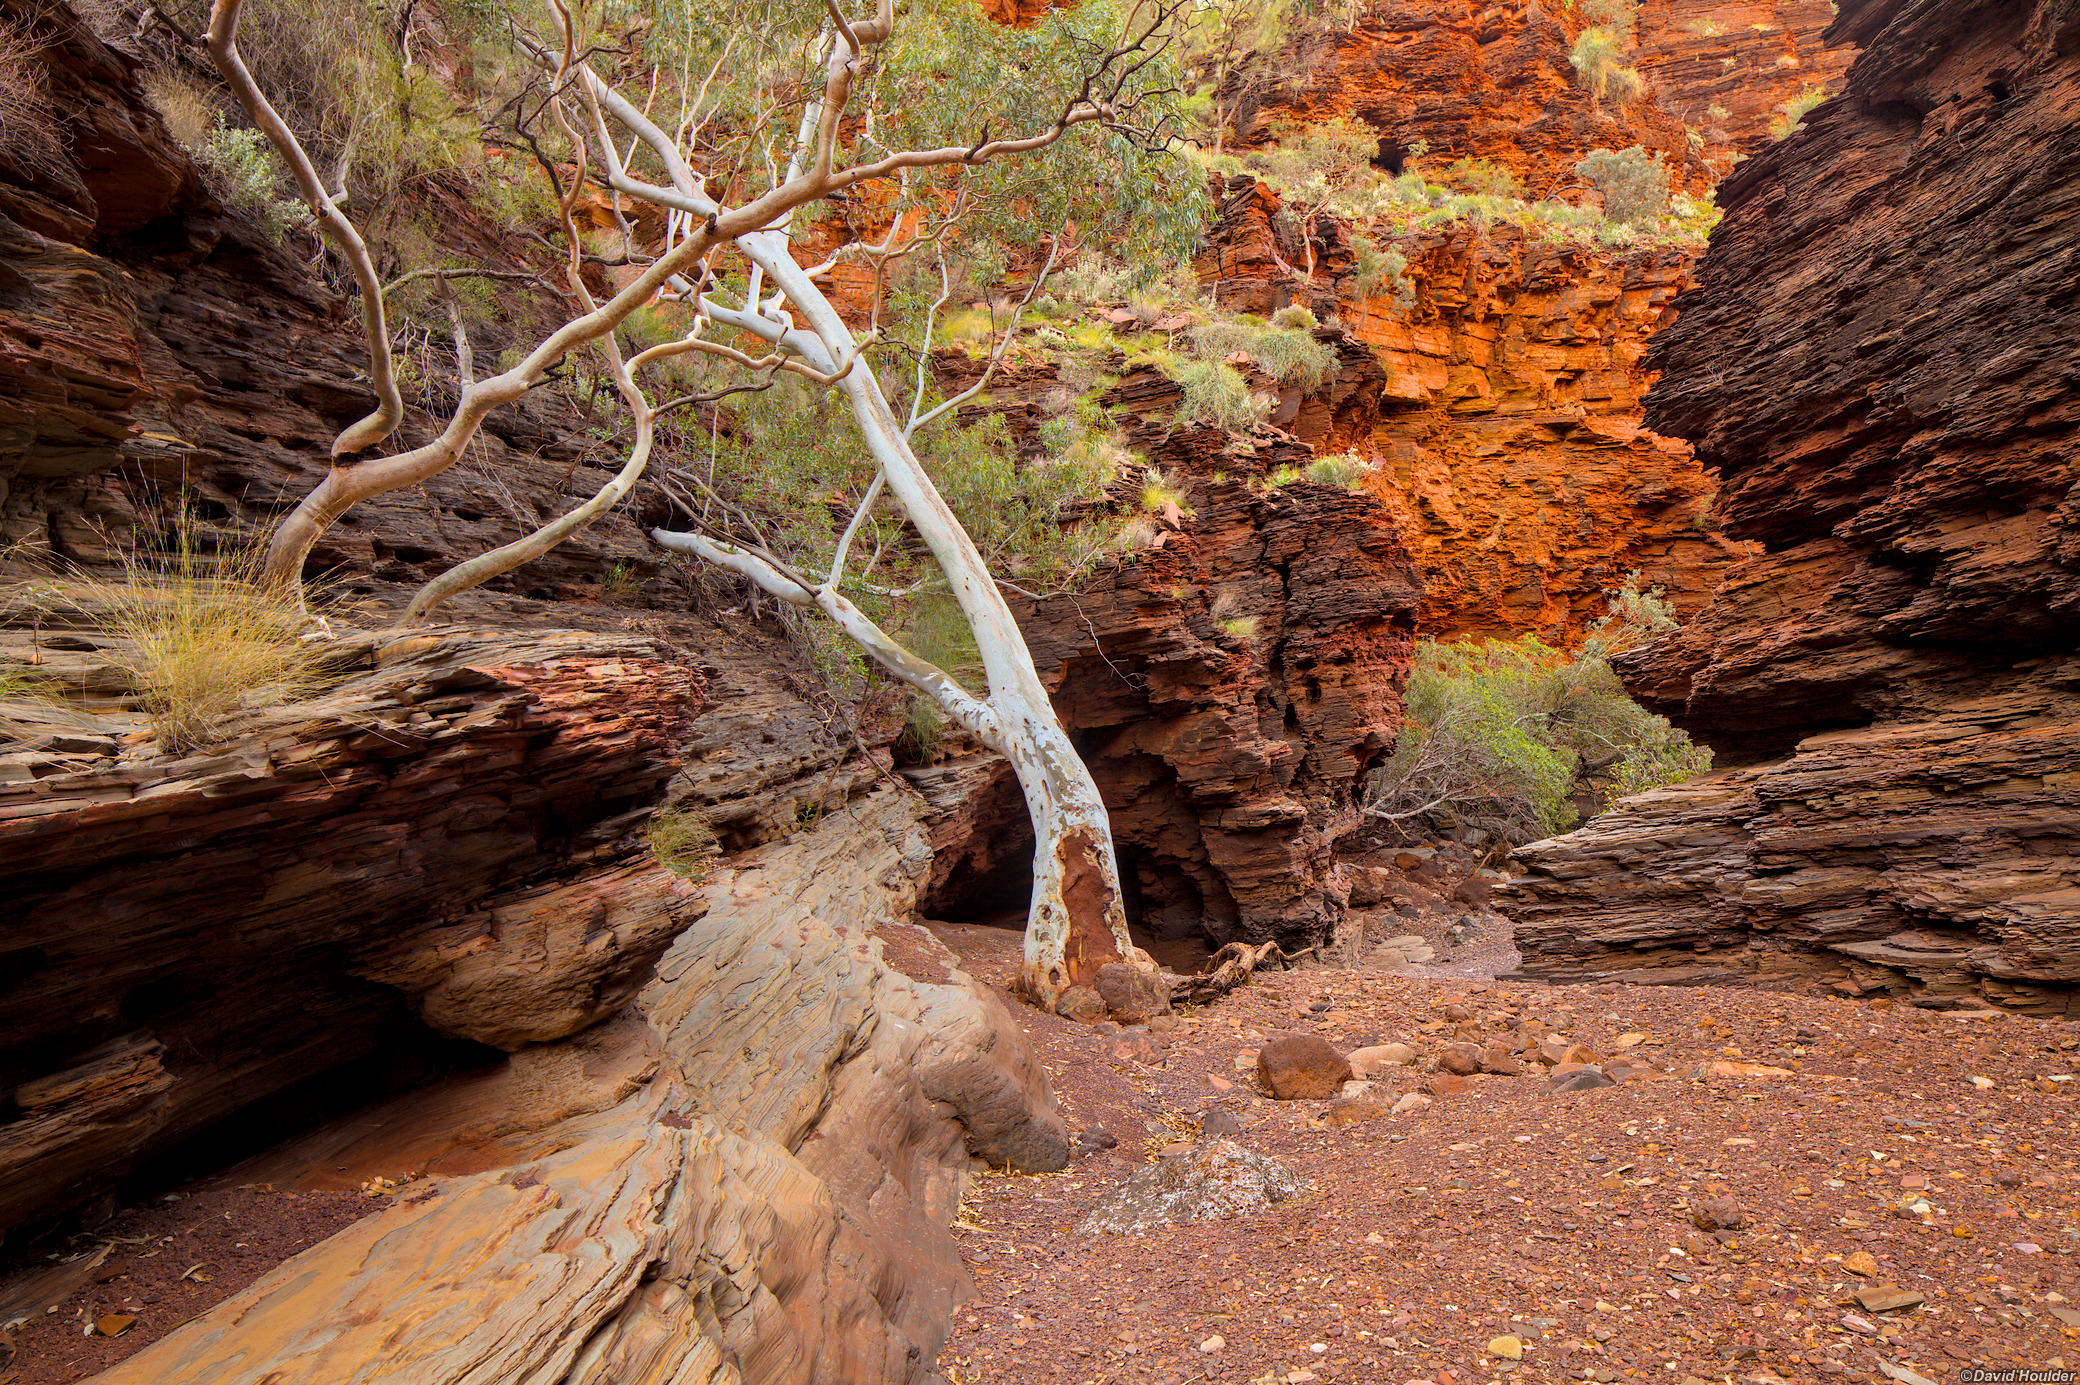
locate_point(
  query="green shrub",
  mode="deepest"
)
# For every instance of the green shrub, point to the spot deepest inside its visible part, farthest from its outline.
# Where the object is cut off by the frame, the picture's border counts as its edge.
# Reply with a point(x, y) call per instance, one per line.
point(239, 166)
point(1289, 355)
point(622, 581)
point(1600, 70)
point(1231, 619)
point(1340, 469)
point(922, 739)
point(1791, 114)
point(1214, 393)
point(201, 635)
point(1634, 185)
point(1377, 271)
point(1484, 176)
point(1159, 489)
point(1295, 317)
point(1093, 279)
point(1500, 733)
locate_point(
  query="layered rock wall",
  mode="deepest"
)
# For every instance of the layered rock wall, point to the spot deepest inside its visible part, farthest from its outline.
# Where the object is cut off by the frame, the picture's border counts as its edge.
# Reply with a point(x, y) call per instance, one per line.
point(1726, 70)
point(457, 835)
point(1879, 364)
point(1230, 682)
point(1502, 406)
point(1230, 690)
point(1466, 80)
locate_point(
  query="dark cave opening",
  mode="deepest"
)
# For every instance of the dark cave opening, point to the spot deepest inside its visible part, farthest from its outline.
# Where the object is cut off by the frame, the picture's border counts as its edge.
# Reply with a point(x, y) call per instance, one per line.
point(405, 1055)
point(987, 880)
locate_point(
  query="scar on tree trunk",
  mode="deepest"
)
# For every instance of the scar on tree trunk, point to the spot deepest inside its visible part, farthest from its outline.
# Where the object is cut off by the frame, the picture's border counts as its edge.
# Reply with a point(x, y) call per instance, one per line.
point(1091, 904)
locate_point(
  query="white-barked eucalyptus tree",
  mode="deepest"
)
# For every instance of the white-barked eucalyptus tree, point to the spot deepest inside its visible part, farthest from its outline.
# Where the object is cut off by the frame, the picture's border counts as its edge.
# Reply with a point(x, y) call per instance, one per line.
point(800, 104)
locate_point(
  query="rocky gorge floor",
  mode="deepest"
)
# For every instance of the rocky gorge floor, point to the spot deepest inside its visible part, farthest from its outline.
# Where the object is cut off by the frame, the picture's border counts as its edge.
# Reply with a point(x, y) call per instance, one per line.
point(1776, 1187)
point(1783, 1187)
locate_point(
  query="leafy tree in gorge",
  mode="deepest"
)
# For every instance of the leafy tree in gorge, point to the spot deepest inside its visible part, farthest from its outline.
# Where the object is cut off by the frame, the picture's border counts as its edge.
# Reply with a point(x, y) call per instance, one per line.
point(975, 142)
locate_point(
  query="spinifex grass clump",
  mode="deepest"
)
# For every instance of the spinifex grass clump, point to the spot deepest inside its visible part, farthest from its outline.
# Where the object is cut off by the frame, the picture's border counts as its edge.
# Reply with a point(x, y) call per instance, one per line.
point(201, 636)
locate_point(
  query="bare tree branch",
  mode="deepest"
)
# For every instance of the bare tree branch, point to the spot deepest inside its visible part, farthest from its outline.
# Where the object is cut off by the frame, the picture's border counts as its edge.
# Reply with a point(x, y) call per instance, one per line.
point(223, 51)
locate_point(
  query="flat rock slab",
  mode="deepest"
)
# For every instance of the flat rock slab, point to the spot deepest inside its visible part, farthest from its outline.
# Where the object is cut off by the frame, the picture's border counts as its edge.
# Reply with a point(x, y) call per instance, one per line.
point(1216, 1181)
point(1888, 1298)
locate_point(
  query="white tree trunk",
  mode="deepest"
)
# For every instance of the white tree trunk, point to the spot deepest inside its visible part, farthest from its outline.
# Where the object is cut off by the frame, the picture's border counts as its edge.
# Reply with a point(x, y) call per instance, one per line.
point(1076, 920)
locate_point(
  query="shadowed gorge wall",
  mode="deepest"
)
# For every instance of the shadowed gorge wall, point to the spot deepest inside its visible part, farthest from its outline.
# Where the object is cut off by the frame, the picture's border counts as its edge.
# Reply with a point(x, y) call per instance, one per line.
point(1880, 365)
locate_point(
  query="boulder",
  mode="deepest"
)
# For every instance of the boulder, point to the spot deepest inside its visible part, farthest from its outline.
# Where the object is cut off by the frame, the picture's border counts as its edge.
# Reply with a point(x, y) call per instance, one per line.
point(1579, 1079)
point(1343, 1113)
point(1082, 1004)
point(1497, 1059)
point(1463, 1060)
point(1718, 1214)
point(1302, 1067)
point(1373, 1061)
point(1132, 994)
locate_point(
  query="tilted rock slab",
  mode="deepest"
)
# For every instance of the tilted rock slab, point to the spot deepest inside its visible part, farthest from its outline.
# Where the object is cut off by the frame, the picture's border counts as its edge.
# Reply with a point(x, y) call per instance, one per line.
point(1906, 858)
point(771, 1207)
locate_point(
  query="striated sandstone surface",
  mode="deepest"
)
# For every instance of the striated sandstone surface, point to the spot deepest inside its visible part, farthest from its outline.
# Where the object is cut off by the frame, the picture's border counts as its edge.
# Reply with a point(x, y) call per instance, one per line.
point(1503, 408)
point(770, 1204)
point(1880, 366)
point(1472, 80)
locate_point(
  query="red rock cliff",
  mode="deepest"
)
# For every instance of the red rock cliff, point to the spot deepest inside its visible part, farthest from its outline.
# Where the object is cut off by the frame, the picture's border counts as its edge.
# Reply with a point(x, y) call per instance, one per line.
point(1472, 80)
point(1726, 70)
point(1503, 408)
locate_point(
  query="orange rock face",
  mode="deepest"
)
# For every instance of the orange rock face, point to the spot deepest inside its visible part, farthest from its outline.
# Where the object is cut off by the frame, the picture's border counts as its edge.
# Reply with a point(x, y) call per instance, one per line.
point(1743, 59)
point(1473, 81)
point(1503, 408)
point(1509, 435)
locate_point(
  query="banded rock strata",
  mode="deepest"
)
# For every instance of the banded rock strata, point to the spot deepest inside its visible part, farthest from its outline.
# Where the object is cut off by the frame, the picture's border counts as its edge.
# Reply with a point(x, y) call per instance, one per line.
point(1880, 366)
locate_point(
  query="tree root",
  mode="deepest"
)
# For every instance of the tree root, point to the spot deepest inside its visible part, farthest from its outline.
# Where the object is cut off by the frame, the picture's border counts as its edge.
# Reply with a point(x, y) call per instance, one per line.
point(1232, 966)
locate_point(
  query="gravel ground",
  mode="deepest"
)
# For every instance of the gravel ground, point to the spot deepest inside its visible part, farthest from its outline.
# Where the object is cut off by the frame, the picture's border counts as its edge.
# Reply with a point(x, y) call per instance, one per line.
point(167, 1262)
point(1562, 1221)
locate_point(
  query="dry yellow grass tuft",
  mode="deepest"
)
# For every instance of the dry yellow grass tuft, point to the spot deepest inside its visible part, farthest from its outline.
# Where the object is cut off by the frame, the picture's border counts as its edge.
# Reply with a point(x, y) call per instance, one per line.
point(202, 636)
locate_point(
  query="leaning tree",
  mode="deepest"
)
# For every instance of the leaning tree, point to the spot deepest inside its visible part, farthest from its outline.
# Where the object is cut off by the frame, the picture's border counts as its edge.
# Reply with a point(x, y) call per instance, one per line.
point(730, 134)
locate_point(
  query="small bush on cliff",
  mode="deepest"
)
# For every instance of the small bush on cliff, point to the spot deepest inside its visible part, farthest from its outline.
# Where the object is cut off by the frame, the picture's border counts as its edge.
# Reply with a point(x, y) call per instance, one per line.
point(28, 130)
point(237, 163)
point(1634, 185)
point(1600, 70)
point(1501, 732)
point(1484, 177)
point(1214, 393)
point(1231, 619)
point(1380, 272)
point(683, 844)
point(1289, 355)
point(1791, 115)
point(1339, 469)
